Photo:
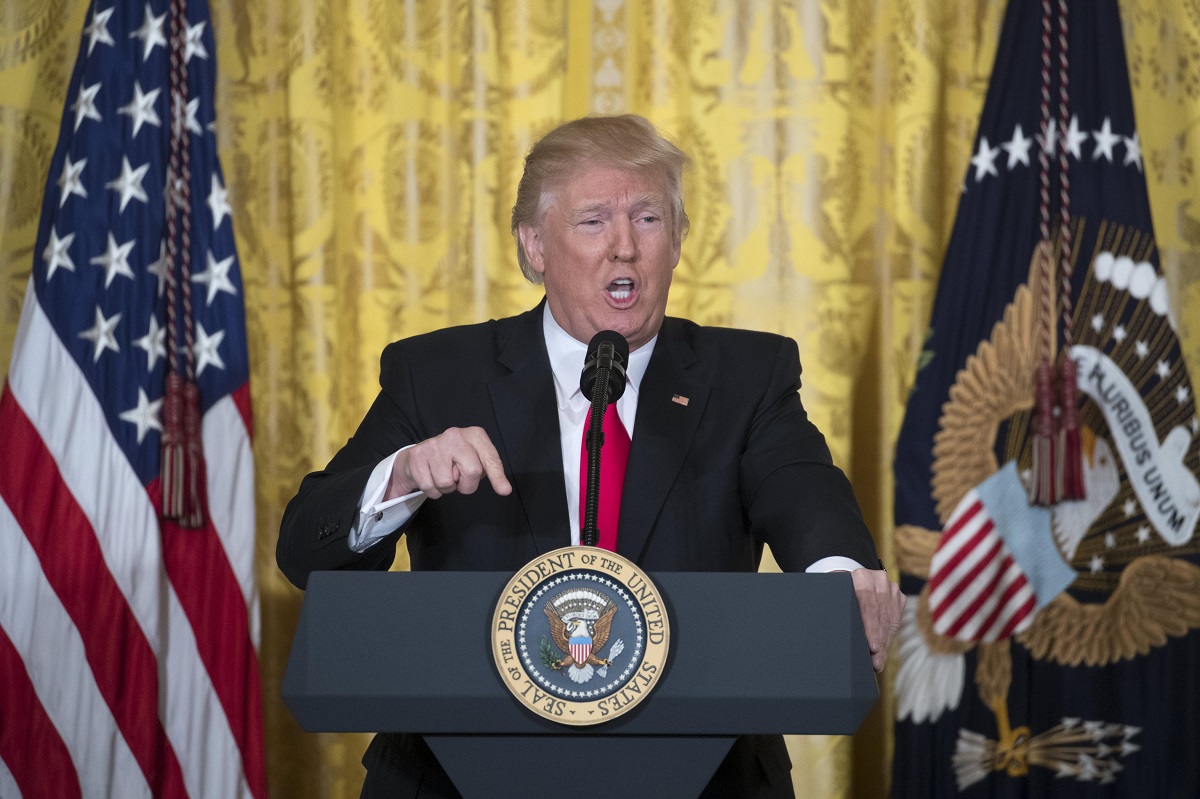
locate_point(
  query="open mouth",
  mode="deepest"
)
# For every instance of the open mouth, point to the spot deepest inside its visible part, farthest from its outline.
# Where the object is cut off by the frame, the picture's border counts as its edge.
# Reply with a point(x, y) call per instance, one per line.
point(621, 289)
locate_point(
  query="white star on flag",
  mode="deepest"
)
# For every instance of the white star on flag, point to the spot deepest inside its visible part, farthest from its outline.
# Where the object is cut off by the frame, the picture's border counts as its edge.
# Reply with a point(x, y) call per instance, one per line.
point(1017, 148)
point(129, 183)
point(1049, 143)
point(151, 34)
point(218, 201)
point(154, 343)
point(141, 108)
point(205, 349)
point(145, 415)
point(98, 30)
point(1163, 369)
point(101, 334)
point(1133, 151)
point(1142, 349)
point(56, 253)
point(188, 116)
point(70, 182)
point(85, 105)
point(217, 277)
point(1105, 139)
point(159, 267)
point(193, 108)
point(195, 45)
point(1074, 138)
point(1119, 333)
point(984, 160)
point(115, 260)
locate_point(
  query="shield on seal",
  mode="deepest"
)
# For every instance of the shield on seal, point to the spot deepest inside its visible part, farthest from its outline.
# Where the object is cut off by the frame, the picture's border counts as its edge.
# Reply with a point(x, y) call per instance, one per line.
point(581, 647)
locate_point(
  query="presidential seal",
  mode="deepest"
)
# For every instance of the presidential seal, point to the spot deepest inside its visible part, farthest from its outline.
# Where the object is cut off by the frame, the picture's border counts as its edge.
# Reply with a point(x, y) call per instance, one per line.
point(580, 635)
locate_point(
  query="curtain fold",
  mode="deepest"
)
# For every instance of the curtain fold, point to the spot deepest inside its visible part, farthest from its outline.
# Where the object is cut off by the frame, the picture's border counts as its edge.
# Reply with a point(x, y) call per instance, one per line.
point(372, 150)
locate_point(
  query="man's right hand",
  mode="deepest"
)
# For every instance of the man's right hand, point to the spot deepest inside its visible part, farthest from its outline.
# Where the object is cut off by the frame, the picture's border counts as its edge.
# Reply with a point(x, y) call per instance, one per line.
point(454, 461)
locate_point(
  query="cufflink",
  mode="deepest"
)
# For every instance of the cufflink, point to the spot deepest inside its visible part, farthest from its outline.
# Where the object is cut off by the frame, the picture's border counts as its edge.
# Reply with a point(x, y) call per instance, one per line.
point(379, 516)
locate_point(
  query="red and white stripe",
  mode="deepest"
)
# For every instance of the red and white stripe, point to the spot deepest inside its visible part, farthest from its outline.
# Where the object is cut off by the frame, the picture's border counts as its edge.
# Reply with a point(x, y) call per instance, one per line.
point(977, 592)
point(128, 649)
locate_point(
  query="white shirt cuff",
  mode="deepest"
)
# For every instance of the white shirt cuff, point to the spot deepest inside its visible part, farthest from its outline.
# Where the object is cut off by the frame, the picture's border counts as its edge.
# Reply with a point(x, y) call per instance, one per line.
point(834, 563)
point(378, 519)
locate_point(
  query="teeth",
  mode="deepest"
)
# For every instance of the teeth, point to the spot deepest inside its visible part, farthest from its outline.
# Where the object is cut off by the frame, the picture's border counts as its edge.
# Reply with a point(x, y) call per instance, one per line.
point(621, 288)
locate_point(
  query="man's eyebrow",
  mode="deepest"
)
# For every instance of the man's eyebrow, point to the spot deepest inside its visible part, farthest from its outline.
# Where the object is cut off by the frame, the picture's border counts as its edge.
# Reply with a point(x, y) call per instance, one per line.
point(651, 201)
point(589, 209)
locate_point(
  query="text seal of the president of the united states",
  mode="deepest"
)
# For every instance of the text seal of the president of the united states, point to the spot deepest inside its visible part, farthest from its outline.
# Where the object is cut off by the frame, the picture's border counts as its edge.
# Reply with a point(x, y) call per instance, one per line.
point(580, 635)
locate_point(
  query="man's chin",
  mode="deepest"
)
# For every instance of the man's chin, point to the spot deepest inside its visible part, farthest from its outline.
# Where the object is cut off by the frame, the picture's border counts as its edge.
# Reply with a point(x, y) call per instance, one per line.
point(637, 335)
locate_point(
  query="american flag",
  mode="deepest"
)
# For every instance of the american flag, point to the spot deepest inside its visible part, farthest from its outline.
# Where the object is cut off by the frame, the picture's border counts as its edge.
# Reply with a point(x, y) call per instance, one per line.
point(128, 643)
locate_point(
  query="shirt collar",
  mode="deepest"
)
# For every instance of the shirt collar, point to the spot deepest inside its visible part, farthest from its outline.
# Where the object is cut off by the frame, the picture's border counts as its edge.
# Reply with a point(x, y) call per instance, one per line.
point(567, 354)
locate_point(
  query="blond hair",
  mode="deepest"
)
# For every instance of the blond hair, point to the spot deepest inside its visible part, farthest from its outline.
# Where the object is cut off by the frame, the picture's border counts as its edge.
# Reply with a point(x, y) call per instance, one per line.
point(626, 142)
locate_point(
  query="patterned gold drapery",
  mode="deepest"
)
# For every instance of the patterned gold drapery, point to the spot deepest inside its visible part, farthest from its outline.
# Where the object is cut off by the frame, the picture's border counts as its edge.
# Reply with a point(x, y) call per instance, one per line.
point(372, 149)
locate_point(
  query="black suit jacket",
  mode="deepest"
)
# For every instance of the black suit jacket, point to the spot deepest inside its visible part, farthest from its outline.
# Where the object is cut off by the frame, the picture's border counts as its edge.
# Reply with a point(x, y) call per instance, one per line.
point(723, 459)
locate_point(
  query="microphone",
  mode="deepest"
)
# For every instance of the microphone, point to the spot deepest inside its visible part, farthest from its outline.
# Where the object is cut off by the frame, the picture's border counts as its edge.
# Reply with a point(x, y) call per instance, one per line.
point(603, 382)
point(607, 353)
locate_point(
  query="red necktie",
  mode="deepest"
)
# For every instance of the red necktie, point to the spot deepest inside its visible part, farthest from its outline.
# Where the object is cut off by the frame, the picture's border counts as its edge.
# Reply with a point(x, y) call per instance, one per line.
point(614, 457)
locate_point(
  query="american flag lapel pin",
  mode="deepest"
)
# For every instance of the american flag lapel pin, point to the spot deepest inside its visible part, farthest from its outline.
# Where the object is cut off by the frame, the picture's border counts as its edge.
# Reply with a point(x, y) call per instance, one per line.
point(679, 398)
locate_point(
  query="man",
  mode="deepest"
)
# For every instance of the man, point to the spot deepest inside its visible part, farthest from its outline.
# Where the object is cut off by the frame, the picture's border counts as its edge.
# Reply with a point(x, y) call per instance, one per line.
point(473, 445)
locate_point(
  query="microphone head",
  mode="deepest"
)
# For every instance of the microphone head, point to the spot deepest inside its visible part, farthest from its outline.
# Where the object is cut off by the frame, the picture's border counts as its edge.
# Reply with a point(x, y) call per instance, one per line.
point(607, 348)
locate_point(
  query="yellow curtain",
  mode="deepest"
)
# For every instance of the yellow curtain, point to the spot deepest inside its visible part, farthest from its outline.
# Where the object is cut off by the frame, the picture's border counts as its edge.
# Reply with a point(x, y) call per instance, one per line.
point(372, 150)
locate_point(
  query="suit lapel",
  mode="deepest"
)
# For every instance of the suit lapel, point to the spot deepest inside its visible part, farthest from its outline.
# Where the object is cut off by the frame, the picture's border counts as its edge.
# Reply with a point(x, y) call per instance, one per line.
point(527, 415)
point(662, 435)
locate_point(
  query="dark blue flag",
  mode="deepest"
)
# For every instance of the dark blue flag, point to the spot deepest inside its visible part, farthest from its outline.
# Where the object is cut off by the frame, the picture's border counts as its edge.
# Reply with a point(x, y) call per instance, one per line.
point(1051, 649)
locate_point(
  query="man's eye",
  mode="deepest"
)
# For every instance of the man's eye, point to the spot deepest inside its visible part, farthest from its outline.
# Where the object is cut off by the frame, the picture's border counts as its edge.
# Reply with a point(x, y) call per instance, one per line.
point(650, 218)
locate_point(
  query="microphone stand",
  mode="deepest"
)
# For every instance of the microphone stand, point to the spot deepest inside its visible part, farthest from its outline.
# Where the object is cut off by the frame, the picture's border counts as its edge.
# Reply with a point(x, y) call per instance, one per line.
point(590, 534)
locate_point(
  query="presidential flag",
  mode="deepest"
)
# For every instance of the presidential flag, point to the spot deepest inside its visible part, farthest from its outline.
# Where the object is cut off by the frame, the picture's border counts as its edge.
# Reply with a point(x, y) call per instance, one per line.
point(128, 607)
point(1050, 646)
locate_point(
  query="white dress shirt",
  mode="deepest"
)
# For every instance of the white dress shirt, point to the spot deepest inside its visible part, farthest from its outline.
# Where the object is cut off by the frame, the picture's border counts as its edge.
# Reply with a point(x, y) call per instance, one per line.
point(377, 519)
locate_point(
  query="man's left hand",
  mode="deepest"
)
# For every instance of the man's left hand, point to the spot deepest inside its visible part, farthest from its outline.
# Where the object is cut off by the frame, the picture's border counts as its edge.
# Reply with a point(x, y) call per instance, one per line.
point(882, 604)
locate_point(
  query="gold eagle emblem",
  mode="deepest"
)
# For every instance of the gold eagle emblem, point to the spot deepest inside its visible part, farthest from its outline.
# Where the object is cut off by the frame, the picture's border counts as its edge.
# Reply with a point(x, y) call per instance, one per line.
point(580, 623)
point(1152, 597)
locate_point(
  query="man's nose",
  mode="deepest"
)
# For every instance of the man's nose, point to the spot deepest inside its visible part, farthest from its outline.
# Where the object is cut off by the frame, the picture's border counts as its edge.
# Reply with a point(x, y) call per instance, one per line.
point(624, 241)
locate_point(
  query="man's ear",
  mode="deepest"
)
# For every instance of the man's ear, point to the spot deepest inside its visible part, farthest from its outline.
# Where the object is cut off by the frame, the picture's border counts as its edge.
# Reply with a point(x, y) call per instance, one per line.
point(531, 242)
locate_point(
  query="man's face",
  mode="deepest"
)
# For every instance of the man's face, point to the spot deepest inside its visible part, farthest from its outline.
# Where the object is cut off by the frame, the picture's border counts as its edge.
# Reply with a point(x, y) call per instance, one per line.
point(606, 250)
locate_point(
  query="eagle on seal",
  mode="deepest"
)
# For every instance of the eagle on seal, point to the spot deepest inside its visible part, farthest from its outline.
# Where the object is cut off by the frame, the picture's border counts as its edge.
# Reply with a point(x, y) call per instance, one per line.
point(579, 644)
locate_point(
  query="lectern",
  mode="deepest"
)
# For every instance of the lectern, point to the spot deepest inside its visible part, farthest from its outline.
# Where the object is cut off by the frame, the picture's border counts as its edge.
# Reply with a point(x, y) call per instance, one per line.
point(410, 652)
